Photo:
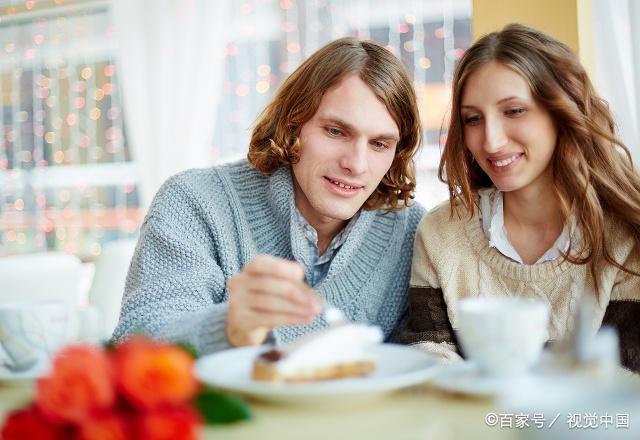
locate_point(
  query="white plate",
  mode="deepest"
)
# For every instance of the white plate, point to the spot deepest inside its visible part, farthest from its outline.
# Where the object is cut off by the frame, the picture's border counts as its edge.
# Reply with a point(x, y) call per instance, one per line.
point(398, 366)
point(464, 378)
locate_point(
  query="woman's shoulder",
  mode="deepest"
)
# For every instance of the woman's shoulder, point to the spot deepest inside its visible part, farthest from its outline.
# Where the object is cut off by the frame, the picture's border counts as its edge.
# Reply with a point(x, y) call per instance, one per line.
point(447, 216)
point(621, 238)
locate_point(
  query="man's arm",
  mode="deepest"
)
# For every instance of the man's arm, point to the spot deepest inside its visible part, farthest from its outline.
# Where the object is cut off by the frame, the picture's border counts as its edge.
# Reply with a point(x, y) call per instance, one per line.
point(175, 288)
point(186, 282)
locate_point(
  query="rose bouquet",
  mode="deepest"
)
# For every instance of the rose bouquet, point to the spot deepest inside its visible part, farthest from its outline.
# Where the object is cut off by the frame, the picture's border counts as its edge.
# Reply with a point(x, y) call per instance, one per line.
point(138, 389)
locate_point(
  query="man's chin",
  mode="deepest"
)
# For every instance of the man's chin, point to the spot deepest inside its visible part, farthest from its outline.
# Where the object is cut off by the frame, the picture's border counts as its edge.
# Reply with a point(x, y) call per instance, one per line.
point(341, 210)
point(341, 214)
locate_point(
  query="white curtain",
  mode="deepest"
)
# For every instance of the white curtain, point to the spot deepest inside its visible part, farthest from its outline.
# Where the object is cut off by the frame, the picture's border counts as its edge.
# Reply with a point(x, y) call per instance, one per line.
point(170, 58)
point(617, 49)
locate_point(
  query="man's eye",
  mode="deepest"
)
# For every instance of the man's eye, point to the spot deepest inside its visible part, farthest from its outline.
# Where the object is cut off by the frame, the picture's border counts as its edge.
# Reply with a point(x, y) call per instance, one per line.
point(379, 145)
point(334, 131)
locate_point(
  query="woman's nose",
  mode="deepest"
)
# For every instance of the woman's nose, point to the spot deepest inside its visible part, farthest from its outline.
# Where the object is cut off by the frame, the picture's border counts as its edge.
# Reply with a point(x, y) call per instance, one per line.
point(495, 137)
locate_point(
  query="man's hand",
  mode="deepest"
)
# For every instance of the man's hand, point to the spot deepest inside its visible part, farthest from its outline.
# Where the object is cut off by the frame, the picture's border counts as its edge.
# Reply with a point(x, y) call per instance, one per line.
point(267, 293)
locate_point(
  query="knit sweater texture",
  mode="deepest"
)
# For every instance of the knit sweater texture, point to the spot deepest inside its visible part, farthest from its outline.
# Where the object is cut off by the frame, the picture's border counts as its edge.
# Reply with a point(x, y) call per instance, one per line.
point(205, 225)
point(463, 264)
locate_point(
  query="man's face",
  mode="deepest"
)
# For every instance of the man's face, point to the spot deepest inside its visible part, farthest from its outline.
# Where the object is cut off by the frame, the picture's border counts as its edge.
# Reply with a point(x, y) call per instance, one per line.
point(347, 147)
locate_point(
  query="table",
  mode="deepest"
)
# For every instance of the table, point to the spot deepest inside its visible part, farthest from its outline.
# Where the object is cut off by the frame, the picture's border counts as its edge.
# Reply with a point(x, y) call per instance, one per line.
point(420, 412)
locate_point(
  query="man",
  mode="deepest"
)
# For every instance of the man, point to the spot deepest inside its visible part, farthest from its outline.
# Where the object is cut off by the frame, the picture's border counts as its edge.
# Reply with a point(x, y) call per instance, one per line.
point(224, 252)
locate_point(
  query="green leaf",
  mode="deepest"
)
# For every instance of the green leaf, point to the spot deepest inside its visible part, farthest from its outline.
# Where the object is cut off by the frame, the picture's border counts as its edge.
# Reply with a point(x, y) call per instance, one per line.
point(216, 407)
point(109, 345)
point(189, 349)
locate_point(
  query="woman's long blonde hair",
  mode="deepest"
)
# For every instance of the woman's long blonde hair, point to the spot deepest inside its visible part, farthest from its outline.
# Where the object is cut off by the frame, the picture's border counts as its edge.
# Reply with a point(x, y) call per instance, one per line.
point(593, 174)
point(275, 138)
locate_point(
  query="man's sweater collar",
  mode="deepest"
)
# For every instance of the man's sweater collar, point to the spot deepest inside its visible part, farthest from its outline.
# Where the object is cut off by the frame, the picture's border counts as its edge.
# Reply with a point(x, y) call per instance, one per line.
point(282, 199)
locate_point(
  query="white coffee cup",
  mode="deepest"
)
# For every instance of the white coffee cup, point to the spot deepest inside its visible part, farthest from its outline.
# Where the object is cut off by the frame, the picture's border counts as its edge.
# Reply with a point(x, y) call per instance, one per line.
point(503, 335)
point(31, 332)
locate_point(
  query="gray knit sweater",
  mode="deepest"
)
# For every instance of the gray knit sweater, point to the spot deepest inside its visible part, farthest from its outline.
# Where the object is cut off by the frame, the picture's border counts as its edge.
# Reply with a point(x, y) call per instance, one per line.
point(205, 225)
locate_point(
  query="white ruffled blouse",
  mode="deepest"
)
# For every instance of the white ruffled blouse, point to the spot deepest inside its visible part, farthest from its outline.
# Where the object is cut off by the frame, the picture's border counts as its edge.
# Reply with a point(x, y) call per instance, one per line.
point(492, 213)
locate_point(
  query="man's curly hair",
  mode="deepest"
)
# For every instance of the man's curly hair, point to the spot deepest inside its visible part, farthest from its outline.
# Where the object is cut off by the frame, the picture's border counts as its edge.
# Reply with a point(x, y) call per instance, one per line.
point(275, 139)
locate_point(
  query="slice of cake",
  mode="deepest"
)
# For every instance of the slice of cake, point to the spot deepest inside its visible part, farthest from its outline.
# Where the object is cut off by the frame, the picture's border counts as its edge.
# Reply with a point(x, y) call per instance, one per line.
point(335, 352)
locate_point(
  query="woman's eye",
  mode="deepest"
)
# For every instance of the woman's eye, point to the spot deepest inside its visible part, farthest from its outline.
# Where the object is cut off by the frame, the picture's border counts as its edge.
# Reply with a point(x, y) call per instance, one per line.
point(471, 120)
point(515, 112)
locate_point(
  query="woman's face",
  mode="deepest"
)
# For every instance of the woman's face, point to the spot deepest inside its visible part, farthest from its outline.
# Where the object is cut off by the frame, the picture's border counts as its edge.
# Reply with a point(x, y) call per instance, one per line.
point(509, 134)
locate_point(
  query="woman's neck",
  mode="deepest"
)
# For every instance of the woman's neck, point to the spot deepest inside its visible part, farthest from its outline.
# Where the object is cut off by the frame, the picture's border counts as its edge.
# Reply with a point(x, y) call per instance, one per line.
point(533, 220)
point(533, 207)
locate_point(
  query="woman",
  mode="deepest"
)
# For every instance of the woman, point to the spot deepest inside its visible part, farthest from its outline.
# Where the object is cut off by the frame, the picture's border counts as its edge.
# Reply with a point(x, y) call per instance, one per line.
point(544, 200)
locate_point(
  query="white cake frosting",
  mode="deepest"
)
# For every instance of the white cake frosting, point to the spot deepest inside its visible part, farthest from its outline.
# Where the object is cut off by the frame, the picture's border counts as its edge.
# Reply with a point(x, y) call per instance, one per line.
point(334, 345)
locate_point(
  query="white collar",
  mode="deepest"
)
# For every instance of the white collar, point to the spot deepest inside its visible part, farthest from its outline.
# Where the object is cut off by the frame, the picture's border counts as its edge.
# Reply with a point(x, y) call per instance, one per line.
point(492, 213)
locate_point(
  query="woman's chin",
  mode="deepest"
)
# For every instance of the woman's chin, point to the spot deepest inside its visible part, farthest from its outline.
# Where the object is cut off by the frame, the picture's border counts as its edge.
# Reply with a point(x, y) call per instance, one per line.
point(507, 186)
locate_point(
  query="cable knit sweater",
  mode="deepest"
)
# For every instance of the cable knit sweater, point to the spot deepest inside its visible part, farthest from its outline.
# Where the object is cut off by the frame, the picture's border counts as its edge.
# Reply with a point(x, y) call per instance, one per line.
point(461, 263)
point(205, 225)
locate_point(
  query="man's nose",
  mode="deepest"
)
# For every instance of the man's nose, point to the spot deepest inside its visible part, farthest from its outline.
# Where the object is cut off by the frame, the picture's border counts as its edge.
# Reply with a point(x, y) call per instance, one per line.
point(354, 157)
point(495, 137)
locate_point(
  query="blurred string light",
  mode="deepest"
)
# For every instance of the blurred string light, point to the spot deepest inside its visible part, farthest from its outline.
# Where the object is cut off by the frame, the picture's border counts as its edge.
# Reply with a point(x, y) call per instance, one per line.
point(427, 35)
point(423, 34)
point(64, 112)
point(60, 114)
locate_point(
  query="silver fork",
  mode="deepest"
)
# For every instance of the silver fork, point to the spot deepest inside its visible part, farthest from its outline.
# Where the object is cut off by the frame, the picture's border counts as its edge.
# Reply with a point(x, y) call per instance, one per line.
point(330, 313)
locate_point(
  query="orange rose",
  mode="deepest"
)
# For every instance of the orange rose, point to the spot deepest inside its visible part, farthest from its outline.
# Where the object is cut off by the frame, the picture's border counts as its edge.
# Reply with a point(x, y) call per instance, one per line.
point(180, 423)
point(109, 426)
point(80, 383)
point(28, 423)
point(152, 374)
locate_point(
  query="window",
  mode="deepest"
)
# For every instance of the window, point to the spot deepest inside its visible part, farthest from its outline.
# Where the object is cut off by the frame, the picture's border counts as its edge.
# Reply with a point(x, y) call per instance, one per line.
point(271, 38)
point(66, 177)
point(67, 180)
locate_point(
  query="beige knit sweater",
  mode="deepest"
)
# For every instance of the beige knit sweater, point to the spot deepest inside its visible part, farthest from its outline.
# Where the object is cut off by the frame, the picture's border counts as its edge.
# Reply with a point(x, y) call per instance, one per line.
point(454, 255)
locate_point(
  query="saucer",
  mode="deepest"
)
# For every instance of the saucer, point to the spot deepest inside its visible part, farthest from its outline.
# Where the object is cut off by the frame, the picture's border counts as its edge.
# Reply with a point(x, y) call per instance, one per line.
point(465, 378)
